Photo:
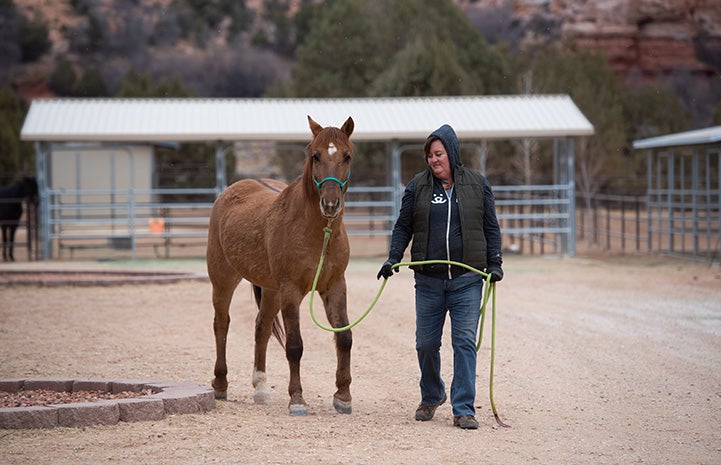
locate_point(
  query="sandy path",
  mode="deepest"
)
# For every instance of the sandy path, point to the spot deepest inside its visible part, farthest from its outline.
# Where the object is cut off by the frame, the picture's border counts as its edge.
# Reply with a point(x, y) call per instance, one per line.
point(598, 361)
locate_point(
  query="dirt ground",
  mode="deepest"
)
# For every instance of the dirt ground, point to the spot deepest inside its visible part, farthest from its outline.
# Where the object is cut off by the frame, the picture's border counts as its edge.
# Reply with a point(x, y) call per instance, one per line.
point(598, 361)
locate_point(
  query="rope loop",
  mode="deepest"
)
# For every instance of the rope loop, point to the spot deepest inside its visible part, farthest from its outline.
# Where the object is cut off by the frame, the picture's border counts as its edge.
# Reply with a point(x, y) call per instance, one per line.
point(486, 277)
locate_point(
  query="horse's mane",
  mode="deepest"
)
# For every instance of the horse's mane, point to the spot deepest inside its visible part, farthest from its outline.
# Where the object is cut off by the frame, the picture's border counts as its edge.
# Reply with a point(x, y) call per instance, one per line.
point(326, 136)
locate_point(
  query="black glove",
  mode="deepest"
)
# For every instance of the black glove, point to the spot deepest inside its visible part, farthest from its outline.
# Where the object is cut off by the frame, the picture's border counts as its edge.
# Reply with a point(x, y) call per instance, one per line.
point(496, 272)
point(386, 270)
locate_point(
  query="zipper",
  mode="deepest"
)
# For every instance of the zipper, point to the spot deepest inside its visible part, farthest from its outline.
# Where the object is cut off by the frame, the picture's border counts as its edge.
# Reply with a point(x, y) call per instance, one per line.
point(449, 196)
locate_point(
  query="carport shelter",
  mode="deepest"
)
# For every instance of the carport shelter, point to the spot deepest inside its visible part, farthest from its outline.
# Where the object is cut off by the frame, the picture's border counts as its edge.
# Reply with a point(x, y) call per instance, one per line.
point(684, 192)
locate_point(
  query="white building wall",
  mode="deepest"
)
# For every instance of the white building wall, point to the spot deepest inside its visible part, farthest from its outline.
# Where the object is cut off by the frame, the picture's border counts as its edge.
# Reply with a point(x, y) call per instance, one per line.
point(108, 171)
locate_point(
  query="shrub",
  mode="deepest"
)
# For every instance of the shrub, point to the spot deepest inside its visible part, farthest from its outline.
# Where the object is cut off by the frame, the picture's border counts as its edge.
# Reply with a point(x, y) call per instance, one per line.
point(33, 39)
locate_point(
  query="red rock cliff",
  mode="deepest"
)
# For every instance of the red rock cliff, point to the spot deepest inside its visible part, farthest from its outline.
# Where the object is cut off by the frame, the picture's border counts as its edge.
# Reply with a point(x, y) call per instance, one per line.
point(650, 37)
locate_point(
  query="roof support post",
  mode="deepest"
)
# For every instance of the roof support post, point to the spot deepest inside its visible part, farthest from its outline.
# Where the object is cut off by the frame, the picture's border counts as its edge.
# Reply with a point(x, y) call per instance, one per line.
point(482, 156)
point(395, 176)
point(220, 182)
point(650, 199)
point(564, 180)
point(42, 170)
point(694, 201)
point(571, 157)
point(670, 184)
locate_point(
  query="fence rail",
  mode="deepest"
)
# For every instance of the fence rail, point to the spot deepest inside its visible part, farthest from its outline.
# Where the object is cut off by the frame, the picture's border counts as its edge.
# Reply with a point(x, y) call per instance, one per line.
point(623, 224)
point(533, 219)
point(536, 219)
point(612, 222)
point(129, 220)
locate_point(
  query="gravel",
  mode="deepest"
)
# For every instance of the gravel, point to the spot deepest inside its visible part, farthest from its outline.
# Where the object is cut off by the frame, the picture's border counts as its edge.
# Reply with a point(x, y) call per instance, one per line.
point(599, 360)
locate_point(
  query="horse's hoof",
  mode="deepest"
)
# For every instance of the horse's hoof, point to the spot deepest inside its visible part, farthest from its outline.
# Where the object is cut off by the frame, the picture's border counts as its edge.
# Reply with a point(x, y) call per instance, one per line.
point(342, 406)
point(221, 395)
point(298, 410)
point(261, 396)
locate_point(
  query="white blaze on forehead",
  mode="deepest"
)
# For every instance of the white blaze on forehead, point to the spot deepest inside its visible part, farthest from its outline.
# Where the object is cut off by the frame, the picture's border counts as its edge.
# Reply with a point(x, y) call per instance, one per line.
point(331, 149)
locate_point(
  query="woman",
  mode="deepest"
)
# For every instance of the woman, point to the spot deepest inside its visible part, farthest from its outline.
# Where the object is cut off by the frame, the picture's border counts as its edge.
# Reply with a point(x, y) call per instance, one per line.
point(449, 212)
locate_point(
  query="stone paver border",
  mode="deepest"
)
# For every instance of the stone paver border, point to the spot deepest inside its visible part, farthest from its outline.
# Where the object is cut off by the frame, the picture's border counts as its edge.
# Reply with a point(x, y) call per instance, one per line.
point(168, 398)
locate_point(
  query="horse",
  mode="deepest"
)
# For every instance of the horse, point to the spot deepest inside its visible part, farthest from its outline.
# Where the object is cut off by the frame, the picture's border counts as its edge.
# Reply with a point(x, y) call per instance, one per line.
point(11, 209)
point(272, 234)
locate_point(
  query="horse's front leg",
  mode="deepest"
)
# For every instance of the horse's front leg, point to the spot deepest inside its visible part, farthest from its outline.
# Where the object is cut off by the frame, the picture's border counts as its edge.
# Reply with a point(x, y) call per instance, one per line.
point(5, 242)
point(336, 311)
point(267, 311)
point(294, 352)
point(11, 242)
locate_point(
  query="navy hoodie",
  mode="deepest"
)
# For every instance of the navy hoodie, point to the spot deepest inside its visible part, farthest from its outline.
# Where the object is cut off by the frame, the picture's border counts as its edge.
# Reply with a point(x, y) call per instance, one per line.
point(440, 230)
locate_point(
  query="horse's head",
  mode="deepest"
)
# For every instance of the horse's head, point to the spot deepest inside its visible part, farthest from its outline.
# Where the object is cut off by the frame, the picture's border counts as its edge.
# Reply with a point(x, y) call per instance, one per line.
point(327, 166)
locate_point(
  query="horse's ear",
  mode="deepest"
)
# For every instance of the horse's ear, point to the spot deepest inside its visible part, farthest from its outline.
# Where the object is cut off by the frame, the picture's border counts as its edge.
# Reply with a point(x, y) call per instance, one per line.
point(315, 128)
point(348, 126)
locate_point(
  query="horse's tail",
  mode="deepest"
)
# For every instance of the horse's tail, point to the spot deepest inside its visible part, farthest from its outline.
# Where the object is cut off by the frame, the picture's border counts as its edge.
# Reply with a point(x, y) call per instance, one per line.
point(278, 330)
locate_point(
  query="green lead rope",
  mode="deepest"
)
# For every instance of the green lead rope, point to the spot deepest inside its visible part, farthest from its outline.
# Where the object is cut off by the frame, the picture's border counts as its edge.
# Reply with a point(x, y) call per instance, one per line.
point(327, 231)
point(491, 291)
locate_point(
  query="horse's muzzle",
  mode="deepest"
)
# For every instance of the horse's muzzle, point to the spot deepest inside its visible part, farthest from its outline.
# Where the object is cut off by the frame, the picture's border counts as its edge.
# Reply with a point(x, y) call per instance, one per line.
point(331, 209)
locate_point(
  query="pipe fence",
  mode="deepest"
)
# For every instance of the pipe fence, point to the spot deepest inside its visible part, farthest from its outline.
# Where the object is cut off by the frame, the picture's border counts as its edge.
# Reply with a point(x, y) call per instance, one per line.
point(534, 220)
point(642, 224)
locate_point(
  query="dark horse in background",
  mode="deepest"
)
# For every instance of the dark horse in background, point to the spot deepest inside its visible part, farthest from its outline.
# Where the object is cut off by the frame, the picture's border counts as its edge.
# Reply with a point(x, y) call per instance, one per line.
point(272, 235)
point(11, 209)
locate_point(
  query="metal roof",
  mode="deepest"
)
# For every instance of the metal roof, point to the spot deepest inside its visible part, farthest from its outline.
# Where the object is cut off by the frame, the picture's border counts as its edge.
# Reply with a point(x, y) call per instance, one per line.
point(699, 136)
point(376, 119)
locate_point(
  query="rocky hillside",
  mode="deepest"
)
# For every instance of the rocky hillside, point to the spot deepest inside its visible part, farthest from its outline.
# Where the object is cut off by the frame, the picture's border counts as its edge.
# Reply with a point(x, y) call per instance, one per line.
point(644, 39)
point(652, 38)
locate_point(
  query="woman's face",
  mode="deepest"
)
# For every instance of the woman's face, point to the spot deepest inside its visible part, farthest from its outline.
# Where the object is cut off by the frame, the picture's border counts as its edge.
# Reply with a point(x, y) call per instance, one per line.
point(439, 162)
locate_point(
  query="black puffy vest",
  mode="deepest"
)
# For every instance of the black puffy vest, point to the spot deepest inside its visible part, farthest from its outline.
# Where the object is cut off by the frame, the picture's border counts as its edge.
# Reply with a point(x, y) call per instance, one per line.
point(469, 190)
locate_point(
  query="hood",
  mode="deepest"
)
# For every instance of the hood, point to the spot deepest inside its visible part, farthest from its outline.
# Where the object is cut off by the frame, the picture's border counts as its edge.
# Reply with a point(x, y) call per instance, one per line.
point(448, 138)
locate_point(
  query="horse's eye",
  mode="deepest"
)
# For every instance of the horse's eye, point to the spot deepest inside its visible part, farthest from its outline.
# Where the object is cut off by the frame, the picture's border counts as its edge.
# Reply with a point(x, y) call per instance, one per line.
point(346, 157)
point(316, 156)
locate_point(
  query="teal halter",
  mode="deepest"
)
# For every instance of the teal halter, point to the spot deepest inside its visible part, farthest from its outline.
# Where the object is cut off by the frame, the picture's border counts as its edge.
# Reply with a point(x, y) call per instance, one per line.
point(342, 184)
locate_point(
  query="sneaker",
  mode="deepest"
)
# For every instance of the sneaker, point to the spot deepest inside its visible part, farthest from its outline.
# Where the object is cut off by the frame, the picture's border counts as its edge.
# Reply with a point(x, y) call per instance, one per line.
point(426, 412)
point(465, 421)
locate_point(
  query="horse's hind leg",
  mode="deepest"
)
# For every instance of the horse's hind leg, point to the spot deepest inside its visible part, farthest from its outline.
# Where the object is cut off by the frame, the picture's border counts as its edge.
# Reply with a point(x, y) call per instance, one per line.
point(268, 307)
point(222, 295)
point(335, 307)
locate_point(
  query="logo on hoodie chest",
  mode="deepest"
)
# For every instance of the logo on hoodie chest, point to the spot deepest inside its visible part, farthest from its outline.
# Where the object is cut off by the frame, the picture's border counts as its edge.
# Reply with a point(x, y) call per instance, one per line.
point(438, 199)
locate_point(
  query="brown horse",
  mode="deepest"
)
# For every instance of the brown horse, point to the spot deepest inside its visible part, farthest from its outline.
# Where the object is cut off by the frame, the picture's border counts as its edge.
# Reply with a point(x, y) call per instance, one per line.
point(272, 235)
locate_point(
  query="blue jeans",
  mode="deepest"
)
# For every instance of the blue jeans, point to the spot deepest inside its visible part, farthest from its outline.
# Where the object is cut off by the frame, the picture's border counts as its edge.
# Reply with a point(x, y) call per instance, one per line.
point(461, 298)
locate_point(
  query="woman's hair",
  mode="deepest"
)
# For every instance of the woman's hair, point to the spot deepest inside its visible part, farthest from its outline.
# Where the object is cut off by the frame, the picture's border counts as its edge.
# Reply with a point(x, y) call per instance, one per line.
point(429, 141)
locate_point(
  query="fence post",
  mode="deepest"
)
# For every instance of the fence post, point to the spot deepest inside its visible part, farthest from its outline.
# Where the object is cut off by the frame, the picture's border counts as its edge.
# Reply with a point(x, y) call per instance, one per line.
point(28, 226)
point(623, 224)
point(608, 227)
point(638, 225)
point(594, 212)
point(583, 224)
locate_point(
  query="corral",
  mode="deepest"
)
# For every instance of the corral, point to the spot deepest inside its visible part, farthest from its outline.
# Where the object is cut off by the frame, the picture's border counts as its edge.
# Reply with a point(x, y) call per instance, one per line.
point(103, 199)
point(600, 360)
